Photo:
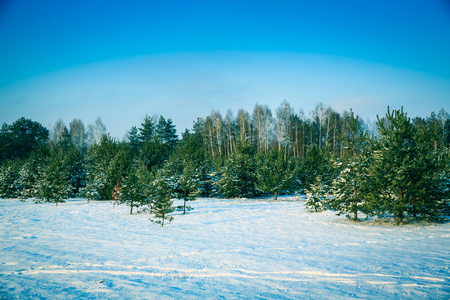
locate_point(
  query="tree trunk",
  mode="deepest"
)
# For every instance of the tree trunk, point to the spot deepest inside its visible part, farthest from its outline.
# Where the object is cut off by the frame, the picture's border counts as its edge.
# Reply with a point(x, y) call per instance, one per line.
point(400, 217)
point(131, 207)
point(276, 195)
point(184, 208)
point(355, 194)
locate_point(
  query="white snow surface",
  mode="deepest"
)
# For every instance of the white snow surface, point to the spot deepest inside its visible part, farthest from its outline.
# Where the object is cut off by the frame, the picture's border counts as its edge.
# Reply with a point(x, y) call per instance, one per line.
point(223, 249)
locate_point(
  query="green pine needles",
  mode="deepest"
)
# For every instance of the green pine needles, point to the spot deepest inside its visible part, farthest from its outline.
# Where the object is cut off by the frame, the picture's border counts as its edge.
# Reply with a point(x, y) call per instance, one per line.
point(397, 168)
point(398, 174)
point(163, 204)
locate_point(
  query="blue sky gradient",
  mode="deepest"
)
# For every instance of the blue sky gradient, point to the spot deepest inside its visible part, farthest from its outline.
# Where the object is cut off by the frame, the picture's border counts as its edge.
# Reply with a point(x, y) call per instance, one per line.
point(121, 60)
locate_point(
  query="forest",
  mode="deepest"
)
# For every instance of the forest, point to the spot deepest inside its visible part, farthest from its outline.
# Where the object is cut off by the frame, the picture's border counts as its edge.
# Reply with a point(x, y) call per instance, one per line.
point(396, 168)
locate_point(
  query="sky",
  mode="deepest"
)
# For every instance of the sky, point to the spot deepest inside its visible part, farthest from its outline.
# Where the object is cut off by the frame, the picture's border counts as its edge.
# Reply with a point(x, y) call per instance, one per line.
point(123, 60)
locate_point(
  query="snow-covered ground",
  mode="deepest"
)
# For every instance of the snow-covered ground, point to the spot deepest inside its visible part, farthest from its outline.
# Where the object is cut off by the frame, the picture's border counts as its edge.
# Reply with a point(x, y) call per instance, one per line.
point(222, 249)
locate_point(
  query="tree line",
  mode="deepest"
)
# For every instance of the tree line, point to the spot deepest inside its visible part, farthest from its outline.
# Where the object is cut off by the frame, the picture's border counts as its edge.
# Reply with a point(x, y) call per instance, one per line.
point(395, 168)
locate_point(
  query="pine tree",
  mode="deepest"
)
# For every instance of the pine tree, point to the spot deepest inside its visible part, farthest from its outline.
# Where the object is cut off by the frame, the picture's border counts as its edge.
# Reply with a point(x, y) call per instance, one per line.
point(350, 187)
point(74, 164)
point(186, 184)
point(130, 192)
point(408, 178)
point(167, 133)
point(153, 154)
point(53, 185)
point(430, 186)
point(95, 180)
point(191, 147)
point(133, 139)
point(137, 185)
point(162, 202)
point(238, 175)
point(315, 164)
point(26, 136)
point(9, 175)
point(117, 169)
point(5, 142)
point(391, 166)
point(106, 164)
point(145, 180)
point(28, 177)
point(147, 130)
point(274, 174)
point(94, 185)
point(317, 196)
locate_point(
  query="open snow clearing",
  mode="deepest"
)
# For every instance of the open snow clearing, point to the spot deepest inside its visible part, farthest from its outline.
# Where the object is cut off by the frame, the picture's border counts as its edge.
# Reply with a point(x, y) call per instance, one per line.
point(221, 249)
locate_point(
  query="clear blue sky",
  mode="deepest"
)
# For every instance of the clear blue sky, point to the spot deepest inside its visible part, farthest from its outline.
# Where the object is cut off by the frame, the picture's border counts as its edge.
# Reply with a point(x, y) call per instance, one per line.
point(121, 60)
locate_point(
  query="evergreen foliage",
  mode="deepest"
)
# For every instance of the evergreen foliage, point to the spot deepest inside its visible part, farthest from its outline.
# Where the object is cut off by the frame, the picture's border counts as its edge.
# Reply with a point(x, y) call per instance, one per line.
point(315, 164)
point(238, 175)
point(401, 172)
point(317, 196)
point(162, 202)
point(147, 130)
point(137, 187)
point(185, 184)
point(29, 177)
point(274, 174)
point(406, 171)
point(351, 185)
point(133, 139)
point(52, 182)
point(21, 138)
point(9, 173)
point(167, 133)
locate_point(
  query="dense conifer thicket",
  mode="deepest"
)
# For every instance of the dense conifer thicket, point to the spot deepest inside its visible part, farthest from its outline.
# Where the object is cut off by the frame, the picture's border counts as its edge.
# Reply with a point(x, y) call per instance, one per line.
point(396, 168)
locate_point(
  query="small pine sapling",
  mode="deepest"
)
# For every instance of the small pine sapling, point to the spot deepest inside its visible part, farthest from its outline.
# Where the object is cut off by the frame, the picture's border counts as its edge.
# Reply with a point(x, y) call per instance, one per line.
point(186, 185)
point(351, 184)
point(162, 202)
point(317, 196)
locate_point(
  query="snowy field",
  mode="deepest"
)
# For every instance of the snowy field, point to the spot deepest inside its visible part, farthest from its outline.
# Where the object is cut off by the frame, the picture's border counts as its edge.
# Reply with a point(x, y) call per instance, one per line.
point(252, 249)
